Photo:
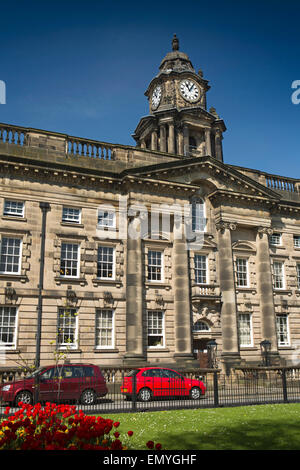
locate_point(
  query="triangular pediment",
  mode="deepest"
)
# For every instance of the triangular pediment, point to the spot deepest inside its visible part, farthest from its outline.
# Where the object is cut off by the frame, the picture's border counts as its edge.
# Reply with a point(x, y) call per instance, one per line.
point(196, 171)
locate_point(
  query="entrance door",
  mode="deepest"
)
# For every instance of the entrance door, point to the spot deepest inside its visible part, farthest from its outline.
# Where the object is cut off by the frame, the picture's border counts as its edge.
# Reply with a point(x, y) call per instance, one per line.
point(201, 352)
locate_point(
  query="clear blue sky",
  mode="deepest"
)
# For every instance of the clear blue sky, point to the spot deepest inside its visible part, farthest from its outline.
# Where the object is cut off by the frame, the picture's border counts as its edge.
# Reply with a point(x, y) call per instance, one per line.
point(82, 67)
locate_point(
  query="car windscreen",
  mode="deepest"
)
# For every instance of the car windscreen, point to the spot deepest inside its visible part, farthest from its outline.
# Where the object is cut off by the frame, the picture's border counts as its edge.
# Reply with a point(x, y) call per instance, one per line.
point(35, 373)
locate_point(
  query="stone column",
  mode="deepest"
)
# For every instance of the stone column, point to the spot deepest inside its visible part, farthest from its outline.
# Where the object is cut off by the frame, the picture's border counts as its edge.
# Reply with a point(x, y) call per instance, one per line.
point(180, 142)
point(171, 144)
point(265, 289)
point(230, 350)
point(134, 301)
point(207, 142)
point(186, 142)
point(154, 140)
point(143, 144)
point(218, 145)
point(182, 304)
point(163, 143)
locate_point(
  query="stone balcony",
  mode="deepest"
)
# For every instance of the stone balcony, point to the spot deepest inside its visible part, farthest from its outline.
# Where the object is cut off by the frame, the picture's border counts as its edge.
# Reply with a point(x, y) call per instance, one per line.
point(206, 291)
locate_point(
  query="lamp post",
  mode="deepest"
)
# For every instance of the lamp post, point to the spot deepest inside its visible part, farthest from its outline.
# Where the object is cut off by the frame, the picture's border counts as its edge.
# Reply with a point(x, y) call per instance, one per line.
point(212, 353)
point(265, 347)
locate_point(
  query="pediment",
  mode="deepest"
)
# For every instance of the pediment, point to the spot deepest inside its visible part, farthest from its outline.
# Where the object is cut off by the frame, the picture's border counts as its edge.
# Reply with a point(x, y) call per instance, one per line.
point(204, 171)
point(243, 245)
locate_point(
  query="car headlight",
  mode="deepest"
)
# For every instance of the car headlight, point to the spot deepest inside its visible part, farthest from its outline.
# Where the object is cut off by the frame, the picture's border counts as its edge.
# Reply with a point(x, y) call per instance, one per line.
point(6, 388)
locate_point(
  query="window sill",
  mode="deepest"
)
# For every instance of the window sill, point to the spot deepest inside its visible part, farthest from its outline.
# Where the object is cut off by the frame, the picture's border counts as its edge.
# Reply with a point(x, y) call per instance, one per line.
point(70, 280)
point(9, 351)
point(282, 291)
point(16, 218)
point(14, 277)
point(110, 282)
point(72, 224)
point(248, 348)
point(108, 350)
point(157, 284)
point(159, 350)
point(69, 350)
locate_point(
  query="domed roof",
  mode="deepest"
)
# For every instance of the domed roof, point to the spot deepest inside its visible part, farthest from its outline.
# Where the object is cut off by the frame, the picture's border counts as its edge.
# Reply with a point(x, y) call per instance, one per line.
point(176, 60)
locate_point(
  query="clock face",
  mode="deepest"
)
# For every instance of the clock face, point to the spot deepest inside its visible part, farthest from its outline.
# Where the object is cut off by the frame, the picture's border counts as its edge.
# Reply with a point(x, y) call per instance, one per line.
point(156, 97)
point(189, 90)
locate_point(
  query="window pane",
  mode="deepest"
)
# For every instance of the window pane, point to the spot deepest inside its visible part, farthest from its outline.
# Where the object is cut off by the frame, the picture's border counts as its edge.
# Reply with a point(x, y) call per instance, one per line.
point(106, 218)
point(14, 208)
point(104, 328)
point(10, 255)
point(278, 275)
point(245, 329)
point(67, 327)
point(282, 330)
point(155, 328)
point(198, 216)
point(71, 215)
point(241, 272)
point(154, 265)
point(200, 269)
point(8, 317)
point(69, 260)
point(105, 264)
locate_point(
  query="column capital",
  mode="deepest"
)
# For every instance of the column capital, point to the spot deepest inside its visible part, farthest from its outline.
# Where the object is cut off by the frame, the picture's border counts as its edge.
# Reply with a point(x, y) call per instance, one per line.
point(264, 230)
point(222, 226)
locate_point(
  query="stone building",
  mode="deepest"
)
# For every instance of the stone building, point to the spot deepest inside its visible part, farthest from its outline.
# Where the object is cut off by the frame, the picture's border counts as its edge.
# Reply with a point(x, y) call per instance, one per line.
point(95, 258)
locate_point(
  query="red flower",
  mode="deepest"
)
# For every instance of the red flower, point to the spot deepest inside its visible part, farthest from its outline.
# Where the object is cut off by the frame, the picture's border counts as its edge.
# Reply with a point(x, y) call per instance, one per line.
point(158, 446)
point(117, 424)
point(130, 433)
point(150, 444)
point(116, 434)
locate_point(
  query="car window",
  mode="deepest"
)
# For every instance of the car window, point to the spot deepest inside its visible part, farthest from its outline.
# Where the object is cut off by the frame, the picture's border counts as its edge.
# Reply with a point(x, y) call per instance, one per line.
point(171, 374)
point(77, 371)
point(88, 371)
point(68, 372)
point(47, 374)
point(149, 373)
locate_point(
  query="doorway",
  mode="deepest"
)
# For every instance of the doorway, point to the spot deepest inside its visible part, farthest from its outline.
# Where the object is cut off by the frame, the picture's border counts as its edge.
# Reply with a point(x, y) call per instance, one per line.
point(200, 351)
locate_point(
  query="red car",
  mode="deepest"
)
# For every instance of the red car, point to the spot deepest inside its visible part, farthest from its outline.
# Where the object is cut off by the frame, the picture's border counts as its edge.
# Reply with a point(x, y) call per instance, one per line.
point(154, 382)
point(82, 382)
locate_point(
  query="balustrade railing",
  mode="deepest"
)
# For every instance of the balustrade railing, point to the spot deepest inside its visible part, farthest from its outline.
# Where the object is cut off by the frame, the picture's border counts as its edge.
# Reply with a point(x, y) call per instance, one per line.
point(74, 146)
point(283, 184)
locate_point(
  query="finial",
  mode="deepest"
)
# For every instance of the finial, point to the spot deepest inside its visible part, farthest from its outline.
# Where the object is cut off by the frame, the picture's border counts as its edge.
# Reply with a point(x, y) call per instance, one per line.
point(175, 43)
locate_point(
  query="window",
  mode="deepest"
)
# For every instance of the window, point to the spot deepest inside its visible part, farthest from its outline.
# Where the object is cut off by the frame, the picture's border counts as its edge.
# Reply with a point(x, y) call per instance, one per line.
point(282, 330)
point(67, 328)
point(198, 216)
point(105, 264)
point(8, 327)
point(245, 329)
point(10, 258)
point(298, 276)
point(106, 218)
point(241, 272)
point(155, 329)
point(69, 261)
point(155, 265)
point(104, 329)
point(297, 241)
point(71, 215)
point(14, 208)
point(200, 269)
point(278, 278)
point(275, 239)
point(200, 325)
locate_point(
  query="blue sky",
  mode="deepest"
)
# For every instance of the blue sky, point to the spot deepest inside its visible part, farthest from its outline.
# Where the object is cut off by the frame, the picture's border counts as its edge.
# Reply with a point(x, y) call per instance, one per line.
point(82, 68)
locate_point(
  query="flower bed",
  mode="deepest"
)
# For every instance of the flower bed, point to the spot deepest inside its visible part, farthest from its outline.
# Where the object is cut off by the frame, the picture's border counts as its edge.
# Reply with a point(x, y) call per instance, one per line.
point(60, 427)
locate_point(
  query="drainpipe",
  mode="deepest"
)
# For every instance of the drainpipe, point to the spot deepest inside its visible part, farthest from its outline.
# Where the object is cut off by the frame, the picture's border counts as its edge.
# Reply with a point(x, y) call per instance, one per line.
point(45, 207)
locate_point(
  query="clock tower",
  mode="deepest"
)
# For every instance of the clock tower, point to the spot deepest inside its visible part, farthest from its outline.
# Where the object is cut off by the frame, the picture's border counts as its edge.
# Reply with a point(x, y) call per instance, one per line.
point(178, 121)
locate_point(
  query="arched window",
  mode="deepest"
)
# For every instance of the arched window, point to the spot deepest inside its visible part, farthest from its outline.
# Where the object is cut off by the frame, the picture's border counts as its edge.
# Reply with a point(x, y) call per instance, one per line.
point(200, 325)
point(198, 216)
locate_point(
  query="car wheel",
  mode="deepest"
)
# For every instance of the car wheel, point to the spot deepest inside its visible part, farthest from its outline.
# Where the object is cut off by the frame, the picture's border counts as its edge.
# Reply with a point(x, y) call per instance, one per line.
point(88, 397)
point(145, 394)
point(25, 397)
point(195, 393)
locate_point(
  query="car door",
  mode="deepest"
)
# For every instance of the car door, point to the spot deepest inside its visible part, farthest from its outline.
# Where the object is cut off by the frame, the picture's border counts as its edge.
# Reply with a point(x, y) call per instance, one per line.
point(176, 383)
point(48, 385)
